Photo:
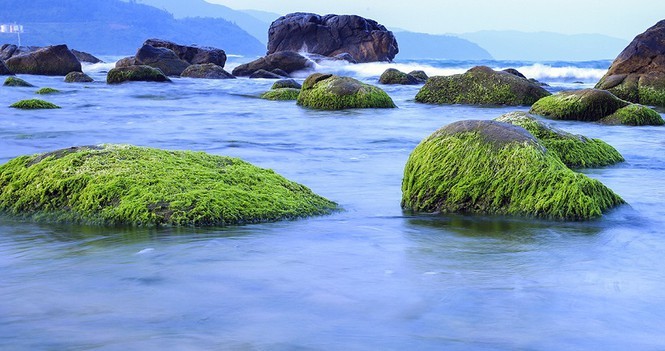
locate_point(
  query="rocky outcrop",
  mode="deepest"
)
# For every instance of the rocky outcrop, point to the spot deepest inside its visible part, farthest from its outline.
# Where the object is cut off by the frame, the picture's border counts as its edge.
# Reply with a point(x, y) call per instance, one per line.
point(55, 60)
point(135, 74)
point(363, 39)
point(206, 71)
point(78, 77)
point(397, 77)
point(163, 58)
point(330, 92)
point(638, 73)
point(288, 61)
point(488, 167)
point(480, 85)
point(194, 55)
point(594, 105)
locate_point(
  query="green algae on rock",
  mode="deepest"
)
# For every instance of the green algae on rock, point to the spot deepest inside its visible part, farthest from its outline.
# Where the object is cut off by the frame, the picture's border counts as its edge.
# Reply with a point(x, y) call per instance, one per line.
point(488, 167)
point(281, 94)
point(480, 86)
point(634, 115)
point(33, 104)
point(16, 82)
point(46, 91)
point(330, 92)
point(139, 73)
point(139, 186)
point(78, 77)
point(576, 151)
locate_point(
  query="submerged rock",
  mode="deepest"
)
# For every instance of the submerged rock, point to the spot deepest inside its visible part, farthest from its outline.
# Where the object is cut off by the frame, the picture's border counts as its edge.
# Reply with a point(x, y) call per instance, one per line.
point(34, 104)
point(262, 73)
point(488, 167)
point(330, 92)
point(78, 77)
point(394, 76)
point(206, 71)
point(137, 186)
point(286, 83)
point(47, 91)
point(16, 82)
point(288, 61)
point(576, 151)
point(55, 60)
point(480, 86)
point(281, 94)
point(136, 74)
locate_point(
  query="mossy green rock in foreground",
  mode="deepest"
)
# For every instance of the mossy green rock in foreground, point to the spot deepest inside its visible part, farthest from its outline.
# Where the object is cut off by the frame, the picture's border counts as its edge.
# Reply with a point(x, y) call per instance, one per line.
point(576, 151)
point(594, 105)
point(140, 73)
point(488, 167)
point(281, 94)
point(330, 92)
point(138, 186)
point(480, 86)
point(34, 104)
point(16, 82)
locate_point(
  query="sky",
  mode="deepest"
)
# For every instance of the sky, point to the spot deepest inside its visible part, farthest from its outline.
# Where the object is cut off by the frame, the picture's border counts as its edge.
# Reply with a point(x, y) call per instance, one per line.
point(617, 18)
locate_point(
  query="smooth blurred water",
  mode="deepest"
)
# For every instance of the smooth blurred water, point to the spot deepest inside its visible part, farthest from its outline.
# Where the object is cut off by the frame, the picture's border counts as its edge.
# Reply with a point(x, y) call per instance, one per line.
point(368, 278)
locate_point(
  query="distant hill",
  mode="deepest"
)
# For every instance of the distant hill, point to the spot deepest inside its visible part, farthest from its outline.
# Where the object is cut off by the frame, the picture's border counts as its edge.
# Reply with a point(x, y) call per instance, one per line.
point(114, 27)
point(267, 17)
point(545, 46)
point(427, 46)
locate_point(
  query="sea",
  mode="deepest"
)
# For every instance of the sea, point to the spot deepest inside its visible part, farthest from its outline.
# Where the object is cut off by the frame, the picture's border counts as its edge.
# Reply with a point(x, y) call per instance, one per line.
point(370, 277)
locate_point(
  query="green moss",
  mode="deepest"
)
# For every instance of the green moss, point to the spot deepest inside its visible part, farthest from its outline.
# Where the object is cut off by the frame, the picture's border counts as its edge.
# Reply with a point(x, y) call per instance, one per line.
point(78, 77)
point(281, 94)
point(464, 173)
point(135, 73)
point(576, 151)
point(138, 186)
point(480, 86)
point(634, 115)
point(394, 76)
point(16, 82)
point(34, 104)
point(328, 92)
point(579, 105)
point(46, 91)
point(650, 95)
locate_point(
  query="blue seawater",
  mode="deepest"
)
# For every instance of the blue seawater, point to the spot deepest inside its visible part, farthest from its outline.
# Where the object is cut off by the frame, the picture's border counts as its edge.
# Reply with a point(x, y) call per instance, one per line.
point(368, 278)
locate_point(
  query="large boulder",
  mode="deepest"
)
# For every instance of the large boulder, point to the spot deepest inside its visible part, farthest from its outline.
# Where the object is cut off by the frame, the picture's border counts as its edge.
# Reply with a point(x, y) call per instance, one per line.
point(488, 167)
point(330, 92)
point(163, 58)
point(138, 186)
point(288, 61)
point(140, 73)
point(638, 73)
point(480, 85)
point(4, 71)
point(194, 55)
point(576, 151)
point(206, 71)
point(55, 60)
point(363, 39)
point(594, 105)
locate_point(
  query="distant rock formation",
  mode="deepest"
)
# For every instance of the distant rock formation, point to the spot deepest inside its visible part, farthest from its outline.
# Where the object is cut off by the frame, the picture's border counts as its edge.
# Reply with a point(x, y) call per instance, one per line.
point(330, 35)
point(287, 61)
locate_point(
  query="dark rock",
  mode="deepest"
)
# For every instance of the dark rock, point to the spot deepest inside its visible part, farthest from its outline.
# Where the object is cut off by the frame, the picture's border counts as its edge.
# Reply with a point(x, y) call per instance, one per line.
point(280, 72)
point(345, 56)
point(86, 57)
point(7, 51)
point(206, 71)
point(420, 75)
point(163, 58)
point(4, 71)
point(126, 62)
point(364, 40)
point(192, 54)
point(78, 77)
point(288, 61)
point(514, 72)
point(394, 76)
point(55, 60)
point(265, 74)
point(286, 83)
point(136, 73)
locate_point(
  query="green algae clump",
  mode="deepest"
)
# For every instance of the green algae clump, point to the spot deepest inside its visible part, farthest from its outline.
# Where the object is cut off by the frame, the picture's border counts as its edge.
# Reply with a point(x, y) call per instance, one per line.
point(488, 167)
point(140, 73)
point(634, 115)
point(46, 91)
point(330, 92)
point(281, 94)
point(34, 104)
point(480, 85)
point(576, 151)
point(123, 185)
point(16, 82)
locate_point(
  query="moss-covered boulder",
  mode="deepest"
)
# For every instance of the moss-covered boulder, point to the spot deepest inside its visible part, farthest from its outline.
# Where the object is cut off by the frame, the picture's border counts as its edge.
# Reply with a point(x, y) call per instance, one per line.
point(331, 92)
point(488, 167)
point(634, 115)
point(397, 77)
point(78, 77)
point(576, 151)
point(137, 186)
point(16, 82)
point(34, 104)
point(206, 71)
point(480, 86)
point(286, 83)
point(47, 91)
point(420, 75)
point(135, 74)
point(593, 105)
point(281, 94)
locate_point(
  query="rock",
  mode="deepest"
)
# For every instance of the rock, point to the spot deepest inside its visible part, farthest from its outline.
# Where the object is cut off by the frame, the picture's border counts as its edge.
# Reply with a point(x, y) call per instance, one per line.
point(55, 60)
point(330, 92)
point(47, 91)
point(86, 57)
point(394, 76)
point(575, 151)
point(7, 51)
point(364, 40)
point(281, 94)
point(280, 72)
point(288, 61)
point(34, 104)
point(265, 74)
point(206, 71)
point(4, 71)
point(194, 55)
point(164, 59)
point(345, 56)
point(122, 185)
point(593, 105)
point(420, 75)
point(488, 167)
point(78, 77)
point(514, 72)
point(126, 62)
point(136, 73)
point(480, 86)
point(286, 83)
point(16, 82)
point(638, 73)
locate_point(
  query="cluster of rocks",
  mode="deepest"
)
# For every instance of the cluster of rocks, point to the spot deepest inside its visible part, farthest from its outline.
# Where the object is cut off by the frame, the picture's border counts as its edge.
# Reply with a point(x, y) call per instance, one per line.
point(55, 60)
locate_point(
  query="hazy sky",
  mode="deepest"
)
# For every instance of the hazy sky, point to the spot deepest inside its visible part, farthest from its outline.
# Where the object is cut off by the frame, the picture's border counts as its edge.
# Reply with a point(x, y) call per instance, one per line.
point(618, 18)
